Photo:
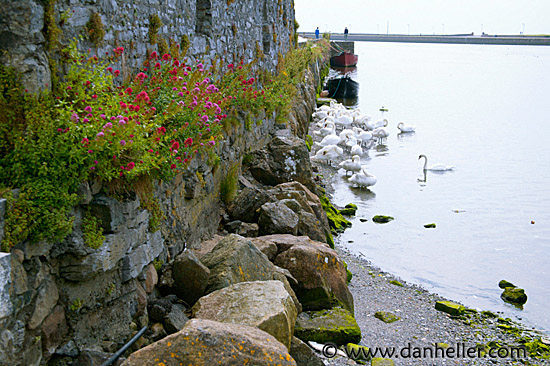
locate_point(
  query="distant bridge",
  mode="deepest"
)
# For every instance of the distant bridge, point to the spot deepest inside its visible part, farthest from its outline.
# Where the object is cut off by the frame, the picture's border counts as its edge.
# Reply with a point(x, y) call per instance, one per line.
point(525, 40)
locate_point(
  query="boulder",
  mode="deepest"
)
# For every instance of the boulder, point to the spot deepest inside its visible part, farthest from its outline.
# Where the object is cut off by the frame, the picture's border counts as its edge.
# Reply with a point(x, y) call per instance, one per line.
point(262, 304)
point(235, 259)
point(268, 247)
point(175, 319)
point(303, 354)
point(207, 342)
point(328, 326)
point(286, 241)
point(190, 277)
point(503, 284)
point(245, 205)
point(284, 159)
point(248, 230)
point(514, 295)
point(277, 218)
point(310, 226)
point(308, 201)
point(386, 317)
point(450, 307)
point(321, 276)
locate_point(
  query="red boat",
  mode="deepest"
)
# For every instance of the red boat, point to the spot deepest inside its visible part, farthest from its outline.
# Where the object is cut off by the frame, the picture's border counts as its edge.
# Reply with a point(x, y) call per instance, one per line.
point(344, 59)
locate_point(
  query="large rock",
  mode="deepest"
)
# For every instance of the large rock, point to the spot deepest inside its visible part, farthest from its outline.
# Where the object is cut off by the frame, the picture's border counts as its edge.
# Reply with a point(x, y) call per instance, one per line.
point(328, 326)
point(235, 259)
point(321, 276)
point(313, 219)
point(190, 277)
point(514, 295)
point(262, 304)
point(46, 300)
point(278, 218)
point(449, 307)
point(303, 354)
point(284, 159)
point(244, 207)
point(207, 342)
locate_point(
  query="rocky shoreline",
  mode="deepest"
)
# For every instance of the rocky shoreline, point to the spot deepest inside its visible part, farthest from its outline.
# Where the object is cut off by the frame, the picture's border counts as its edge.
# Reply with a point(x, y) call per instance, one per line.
point(419, 325)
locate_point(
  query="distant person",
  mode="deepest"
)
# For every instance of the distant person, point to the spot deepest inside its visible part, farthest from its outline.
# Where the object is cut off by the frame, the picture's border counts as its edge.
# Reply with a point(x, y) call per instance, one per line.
point(317, 33)
point(346, 33)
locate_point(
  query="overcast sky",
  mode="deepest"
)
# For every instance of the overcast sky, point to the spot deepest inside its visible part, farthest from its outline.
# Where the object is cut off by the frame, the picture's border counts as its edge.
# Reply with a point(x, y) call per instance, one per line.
point(425, 16)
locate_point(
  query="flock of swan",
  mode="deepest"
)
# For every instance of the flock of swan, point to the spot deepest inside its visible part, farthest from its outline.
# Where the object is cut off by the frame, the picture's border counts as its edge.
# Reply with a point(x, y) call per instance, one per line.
point(340, 131)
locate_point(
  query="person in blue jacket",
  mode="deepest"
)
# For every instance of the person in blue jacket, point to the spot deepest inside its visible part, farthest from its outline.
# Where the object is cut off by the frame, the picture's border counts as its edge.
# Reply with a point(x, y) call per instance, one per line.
point(317, 32)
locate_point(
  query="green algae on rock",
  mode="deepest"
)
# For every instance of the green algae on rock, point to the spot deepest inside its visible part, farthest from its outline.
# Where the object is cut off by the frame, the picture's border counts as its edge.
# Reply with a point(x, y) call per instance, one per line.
point(386, 316)
point(357, 352)
point(349, 210)
point(336, 221)
point(450, 307)
point(381, 219)
point(503, 284)
point(379, 361)
point(430, 226)
point(335, 325)
point(396, 283)
point(514, 295)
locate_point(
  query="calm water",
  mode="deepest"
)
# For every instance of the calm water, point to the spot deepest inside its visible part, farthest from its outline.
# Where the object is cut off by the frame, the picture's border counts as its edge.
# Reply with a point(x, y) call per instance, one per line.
point(486, 111)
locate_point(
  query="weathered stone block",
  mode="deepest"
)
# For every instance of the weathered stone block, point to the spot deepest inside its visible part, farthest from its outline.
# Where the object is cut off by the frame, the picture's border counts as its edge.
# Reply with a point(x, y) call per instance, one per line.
point(207, 342)
point(262, 304)
point(450, 307)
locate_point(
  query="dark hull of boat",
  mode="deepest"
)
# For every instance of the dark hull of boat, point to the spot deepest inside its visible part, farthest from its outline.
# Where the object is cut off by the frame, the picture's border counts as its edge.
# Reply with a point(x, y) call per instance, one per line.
point(344, 59)
point(343, 87)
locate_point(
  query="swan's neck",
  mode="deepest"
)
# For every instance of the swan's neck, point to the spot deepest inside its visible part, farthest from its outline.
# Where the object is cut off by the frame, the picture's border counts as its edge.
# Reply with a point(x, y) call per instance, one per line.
point(425, 162)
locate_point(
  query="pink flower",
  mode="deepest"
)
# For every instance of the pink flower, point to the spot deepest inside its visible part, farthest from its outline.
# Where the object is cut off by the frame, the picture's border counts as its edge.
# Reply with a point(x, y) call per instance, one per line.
point(108, 125)
point(102, 116)
point(154, 55)
point(166, 57)
point(122, 142)
point(116, 72)
point(99, 134)
point(173, 166)
point(74, 117)
point(110, 69)
point(96, 162)
point(85, 141)
point(130, 166)
point(188, 141)
point(129, 91)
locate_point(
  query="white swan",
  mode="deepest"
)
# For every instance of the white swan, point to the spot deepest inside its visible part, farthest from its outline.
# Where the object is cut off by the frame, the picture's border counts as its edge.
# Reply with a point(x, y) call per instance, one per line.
point(328, 153)
point(363, 179)
point(357, 149)
point(404, 128)
point(351, 165)
point(329, 129)
point(436, 167)
point(331, 139)
point(361, 135)
point(380, 133)
point(380, 123)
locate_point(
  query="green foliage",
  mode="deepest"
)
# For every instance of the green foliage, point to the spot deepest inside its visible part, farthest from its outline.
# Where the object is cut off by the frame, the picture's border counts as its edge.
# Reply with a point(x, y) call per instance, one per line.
point(154, 25)
point(95, 127)
point(185, 43)
point(96, 30)
point(157, 263)
point(76, 305)
point(228, 186)
point(51, 31)
point(163, 46)
point(92, 231)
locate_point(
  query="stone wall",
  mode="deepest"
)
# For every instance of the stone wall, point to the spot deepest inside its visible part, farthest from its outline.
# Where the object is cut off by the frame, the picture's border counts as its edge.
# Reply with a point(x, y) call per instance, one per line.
point(61, 302)
point(230, 30)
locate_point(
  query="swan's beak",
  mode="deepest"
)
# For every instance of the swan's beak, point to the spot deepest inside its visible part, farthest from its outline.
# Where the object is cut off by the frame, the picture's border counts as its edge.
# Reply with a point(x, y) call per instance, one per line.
point(419, 158)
